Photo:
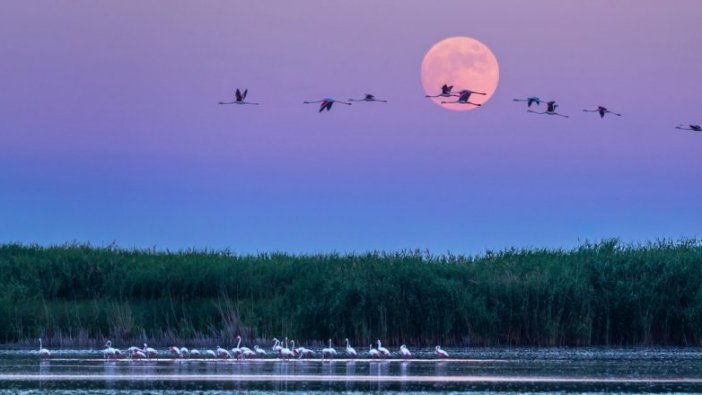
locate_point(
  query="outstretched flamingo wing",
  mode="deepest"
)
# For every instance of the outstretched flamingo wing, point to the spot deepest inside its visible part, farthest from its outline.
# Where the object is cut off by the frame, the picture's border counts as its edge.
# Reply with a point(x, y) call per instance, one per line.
point(238, 95)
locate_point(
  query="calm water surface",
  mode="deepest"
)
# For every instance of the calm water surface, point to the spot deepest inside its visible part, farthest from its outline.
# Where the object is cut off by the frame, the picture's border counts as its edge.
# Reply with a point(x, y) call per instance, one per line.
point(481, 370)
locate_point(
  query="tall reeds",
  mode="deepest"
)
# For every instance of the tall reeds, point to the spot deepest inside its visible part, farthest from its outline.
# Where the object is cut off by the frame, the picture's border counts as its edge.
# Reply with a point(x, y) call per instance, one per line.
point(605, 293)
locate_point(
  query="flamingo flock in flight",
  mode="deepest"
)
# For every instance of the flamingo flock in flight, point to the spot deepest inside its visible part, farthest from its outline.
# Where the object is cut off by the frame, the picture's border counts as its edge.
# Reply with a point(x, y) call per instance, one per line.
point(462, 98)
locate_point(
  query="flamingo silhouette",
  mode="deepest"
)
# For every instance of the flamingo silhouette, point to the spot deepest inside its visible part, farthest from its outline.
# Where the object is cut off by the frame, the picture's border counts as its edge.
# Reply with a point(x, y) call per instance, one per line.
point(368, 97)
point(530, 100)
point(327, 103)
point(603, 110)
point(445, 92)
point(463, 98)
point(550, 110)
point(240, 98)
point(694, 128)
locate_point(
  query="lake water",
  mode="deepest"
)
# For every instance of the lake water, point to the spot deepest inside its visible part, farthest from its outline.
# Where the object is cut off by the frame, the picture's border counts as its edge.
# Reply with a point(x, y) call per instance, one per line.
point(474, 370)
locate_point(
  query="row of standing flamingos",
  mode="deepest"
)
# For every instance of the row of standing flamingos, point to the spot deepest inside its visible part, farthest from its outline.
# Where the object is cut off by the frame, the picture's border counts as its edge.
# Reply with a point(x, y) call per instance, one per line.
point(463, 99)
point(282, 349)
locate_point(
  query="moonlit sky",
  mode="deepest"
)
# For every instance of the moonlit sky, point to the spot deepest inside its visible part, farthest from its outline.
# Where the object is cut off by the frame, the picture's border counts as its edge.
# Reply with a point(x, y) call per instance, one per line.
point(110, 131)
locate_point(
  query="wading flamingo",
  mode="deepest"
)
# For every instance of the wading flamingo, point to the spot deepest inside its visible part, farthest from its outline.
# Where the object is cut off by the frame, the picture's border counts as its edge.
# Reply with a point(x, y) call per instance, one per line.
point(137, 354)
point(463, 98)
point(276, 346)
point(259, 351)
point(223, 353)
point(440, 353)
point(530, 100)
point(43, 352)
point(150, 352)
point(368, 97)
point(550, 110)
point(240, 98)
point(603, 110)
point(404, 352)
point(372, 352)
point(175, 351)
point(350, 351)
point(327, 103)
point(304, 352)
point(382, 350)
point(211, 354)
point(329, 352)
point(285, 352)
point(109, 352)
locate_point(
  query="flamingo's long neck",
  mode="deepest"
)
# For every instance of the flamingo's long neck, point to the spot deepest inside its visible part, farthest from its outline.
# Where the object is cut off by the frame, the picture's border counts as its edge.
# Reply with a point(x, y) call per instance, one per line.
point(347, 343)
point(40, 346)
point(238, 343)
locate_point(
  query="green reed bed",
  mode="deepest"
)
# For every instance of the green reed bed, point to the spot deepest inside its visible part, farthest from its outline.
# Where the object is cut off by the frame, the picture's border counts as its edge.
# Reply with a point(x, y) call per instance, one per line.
point(597, 294)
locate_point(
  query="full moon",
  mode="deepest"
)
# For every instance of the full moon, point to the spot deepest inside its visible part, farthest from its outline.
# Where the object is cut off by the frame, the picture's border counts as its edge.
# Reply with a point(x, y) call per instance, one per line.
point(465, 63)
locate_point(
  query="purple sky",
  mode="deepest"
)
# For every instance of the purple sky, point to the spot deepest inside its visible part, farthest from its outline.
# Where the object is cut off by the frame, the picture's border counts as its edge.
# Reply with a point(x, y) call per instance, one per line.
point(110, 129)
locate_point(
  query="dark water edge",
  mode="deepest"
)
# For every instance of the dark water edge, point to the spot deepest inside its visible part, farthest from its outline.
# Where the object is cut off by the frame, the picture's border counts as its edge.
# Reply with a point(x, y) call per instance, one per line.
point(169, 387)
point(480, 370)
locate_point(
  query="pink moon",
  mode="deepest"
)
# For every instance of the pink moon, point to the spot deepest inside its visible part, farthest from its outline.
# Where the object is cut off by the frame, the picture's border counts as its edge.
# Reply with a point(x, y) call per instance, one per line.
point(465, 63)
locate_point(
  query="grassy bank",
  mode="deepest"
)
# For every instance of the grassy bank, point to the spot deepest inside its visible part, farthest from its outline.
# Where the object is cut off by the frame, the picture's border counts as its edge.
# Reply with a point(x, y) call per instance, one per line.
point(601, 294)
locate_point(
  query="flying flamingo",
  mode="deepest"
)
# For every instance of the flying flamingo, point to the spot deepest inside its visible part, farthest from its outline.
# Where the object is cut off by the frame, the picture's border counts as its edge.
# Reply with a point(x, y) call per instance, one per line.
point(329, 352)
point(694, 128)
point(327, 103)
point(463, 98)
point(603, 110)
point(530, 100)
point(368, 97)
point(439, 352)
point(405, 352)
point(373, 352)
point(551, 110)
point(43, 352)
point(445, 92)
point(240, 98)
point(150, 352)
point(382, 350)
point(223, 353)
point(350, 351)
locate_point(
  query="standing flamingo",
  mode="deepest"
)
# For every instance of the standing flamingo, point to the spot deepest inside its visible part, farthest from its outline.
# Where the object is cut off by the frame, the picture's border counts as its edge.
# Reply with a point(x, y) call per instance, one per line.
point(109, 352)
point(327, 103)
point(259, 351)
point(137, 354)
point(694, 128)
point(382, 350)
point(223, 353)
point(43, 352)
point(150, 352)
point(175, 351)
point(304, 352)
point(404, 352)
point(550, 110)
point(373, 352)
point(530, 100)
point(463, 98)
point(350, 351)
point(329, 352)
point(445, 92)
point(368, 97)
point(211, 353)
point(285, 352)
point(240, 98)
point(440, 353)
point(603, 110)
point(236, 351)
point(276, 346)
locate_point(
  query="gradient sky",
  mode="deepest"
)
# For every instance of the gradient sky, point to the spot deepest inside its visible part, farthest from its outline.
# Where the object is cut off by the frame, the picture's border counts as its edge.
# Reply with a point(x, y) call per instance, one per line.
point(110, 131)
